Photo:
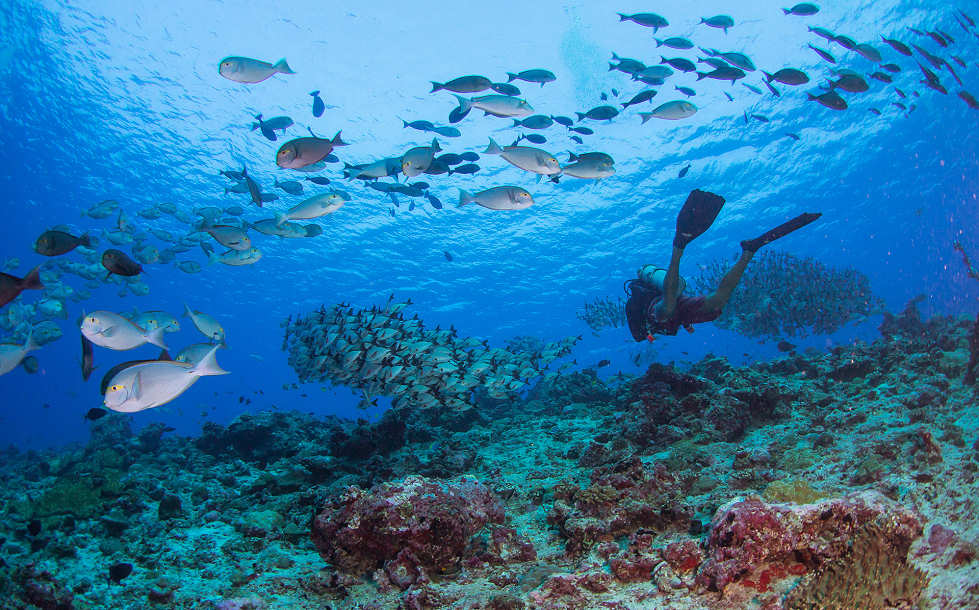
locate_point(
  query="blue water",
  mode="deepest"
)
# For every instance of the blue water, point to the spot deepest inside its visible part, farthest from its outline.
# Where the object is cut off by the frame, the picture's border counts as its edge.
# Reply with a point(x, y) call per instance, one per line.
point(123, 101)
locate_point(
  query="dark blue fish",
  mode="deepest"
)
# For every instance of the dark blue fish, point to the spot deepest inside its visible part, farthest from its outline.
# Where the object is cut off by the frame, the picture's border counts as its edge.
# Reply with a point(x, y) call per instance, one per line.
point(772, 89)
point(729, 97)
point(469, 156)
point(585, 131)
point(563, 120)
point(687, 91)
point(894, 68)
point(824, 54)
point(448, 132)
point(683, 172)
point(536, 138)
point(318, 105)
point(267, 131)
point(331, 158)
point(449, 159)
point(434, 201)
point(468, 168)
point(321, 180)
point(447, 256)
point(577, 139)
point(898, 46)
point(419, 125)
point(505, 89)
point(642, 96)
point(794, 136)
point(458, 114)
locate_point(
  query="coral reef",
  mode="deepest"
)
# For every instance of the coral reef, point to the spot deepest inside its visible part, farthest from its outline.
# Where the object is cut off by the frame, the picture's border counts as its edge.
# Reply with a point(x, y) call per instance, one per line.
point(842, 478)
point(784, 295)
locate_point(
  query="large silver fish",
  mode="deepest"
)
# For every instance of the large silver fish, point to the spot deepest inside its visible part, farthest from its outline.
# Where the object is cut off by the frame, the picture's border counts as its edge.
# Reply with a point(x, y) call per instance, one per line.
point(108, 329)
point(151, 384)
point(499, 198)
point(526, 158)
point(206, 324)
point(497, 105)
point(314, 207)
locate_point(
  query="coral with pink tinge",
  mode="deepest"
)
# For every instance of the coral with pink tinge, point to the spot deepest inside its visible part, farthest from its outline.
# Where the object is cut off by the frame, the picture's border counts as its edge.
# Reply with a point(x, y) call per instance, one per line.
point(748, 533)
point(507, 546)
point(418, 525)
point(617, 504)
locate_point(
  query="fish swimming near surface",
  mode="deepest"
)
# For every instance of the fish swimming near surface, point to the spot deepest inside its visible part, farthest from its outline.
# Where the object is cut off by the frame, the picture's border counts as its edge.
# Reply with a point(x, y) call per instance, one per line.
point(649, 20)
point(12, 355)
point(727, 73)
point(293, 187)
point(898, 46)
point(643, 96)
point(679, 44)
point(301, 152)
point(151, 384)
point(229, 236)
point(11, 286)
point(206, 324)
point(505, 88)
point(526, 158)
point(683, 172)
point(533, 76)
point(56, 243)
point(118, 262)
point(589, 166)
point(318, 106)
point(464, 84)
point(671, 111)
point(599, 113)
point(251, 71)
point(418, 159)
point(110, 330)
point(314, 207)
point(503, 106)
point(803, 9)
point(721, 22)
point(537, 121)
point(830, 99)
point(788, 76)
point(498, 198)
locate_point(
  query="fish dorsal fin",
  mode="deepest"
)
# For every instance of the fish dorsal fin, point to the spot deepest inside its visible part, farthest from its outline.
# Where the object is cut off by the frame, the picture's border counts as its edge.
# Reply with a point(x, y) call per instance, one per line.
point(165, 355)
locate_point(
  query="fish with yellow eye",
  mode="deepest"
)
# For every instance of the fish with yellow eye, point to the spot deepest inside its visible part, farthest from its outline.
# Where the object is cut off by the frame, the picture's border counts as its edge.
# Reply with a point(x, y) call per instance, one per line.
point(108, 329)
point(145, 385)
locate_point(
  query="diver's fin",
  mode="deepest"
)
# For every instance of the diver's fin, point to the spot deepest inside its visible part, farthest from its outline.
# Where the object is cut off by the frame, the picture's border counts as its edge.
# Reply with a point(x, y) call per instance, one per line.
point(696, 216)
point(780, 231)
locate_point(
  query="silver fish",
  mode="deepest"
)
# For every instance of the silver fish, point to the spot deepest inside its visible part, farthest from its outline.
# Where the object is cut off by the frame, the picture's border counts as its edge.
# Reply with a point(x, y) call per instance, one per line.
point(250, 71)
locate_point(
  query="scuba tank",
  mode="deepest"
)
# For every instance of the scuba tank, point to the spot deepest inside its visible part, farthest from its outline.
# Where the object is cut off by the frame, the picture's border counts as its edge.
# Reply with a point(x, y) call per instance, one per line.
point(654, 276)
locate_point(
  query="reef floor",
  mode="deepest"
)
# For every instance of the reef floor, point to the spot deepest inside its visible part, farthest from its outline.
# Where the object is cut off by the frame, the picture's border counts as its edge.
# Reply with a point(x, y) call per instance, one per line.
point(841, 479)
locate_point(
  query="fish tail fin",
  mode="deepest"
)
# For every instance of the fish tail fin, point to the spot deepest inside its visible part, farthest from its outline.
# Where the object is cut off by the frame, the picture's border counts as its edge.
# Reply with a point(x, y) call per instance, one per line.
point(623, 17)
point(465, 197)
point(510, 77)
point(810, 97)
point(493, 148)
point(315, 93)
point(768, 76)
point(282, 67)
point(337, 140)
point(436, 87)
point(32, 281)
point(701, 76)
point(581, 116)
point(208, 365)
point(465, 104)
point(787, 12)
point(280, 219)
point(435, 145)
point(659, 42)
point(85, 240)
point(187, 311)
point(645, 116)
point(29, 344)
point(611, 67)
point(155, 337)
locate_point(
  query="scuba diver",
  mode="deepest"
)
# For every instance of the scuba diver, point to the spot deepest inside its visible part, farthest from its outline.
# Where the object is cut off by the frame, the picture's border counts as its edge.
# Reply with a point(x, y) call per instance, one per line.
point(656, 306)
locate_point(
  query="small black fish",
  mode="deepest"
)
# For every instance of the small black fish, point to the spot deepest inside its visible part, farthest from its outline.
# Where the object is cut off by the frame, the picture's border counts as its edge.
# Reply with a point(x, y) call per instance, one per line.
point(448, 256)
point(969, 99)
point(585, 131)
point(116, 261)
point(88, 358)
point(267, 131)
point(241, 399)
point(95, 413)
point(602, 363)
point(318, 105)
point(785, 346)
point(119, 571)
point(34, 527)
point(55, 243)
point(468, 168)
point(321, 180)
point(683, 172)
point(469, 156)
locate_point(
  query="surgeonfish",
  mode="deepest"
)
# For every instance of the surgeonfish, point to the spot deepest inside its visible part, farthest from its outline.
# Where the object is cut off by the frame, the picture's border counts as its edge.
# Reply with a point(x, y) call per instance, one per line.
point(672, 111)
point(314, 207)
point(591, 166)
point(251, 71)
point(499, 198)
point(526, 158)
point(12, 355)
point(56, 243)
point(418, 159)
point(301, 152)
point(207, 325)
point(108, 329)
point(151, 384)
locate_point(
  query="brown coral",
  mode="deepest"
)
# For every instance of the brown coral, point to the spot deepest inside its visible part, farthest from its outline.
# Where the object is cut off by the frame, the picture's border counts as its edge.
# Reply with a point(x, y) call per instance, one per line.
point(873, 575)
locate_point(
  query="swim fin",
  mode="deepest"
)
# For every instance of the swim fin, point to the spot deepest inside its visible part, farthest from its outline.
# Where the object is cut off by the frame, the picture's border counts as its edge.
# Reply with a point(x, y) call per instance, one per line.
point(780, 231)
point(696, 216)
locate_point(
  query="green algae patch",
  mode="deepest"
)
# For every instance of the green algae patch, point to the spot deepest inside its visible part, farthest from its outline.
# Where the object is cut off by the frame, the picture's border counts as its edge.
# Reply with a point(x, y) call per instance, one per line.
point(69, 496)
point(795, 491)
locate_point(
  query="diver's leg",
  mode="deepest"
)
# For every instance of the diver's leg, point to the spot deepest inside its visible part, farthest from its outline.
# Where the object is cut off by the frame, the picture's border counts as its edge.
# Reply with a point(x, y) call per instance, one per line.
point(729, 282)
point(671, 285)
point(780, 231)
